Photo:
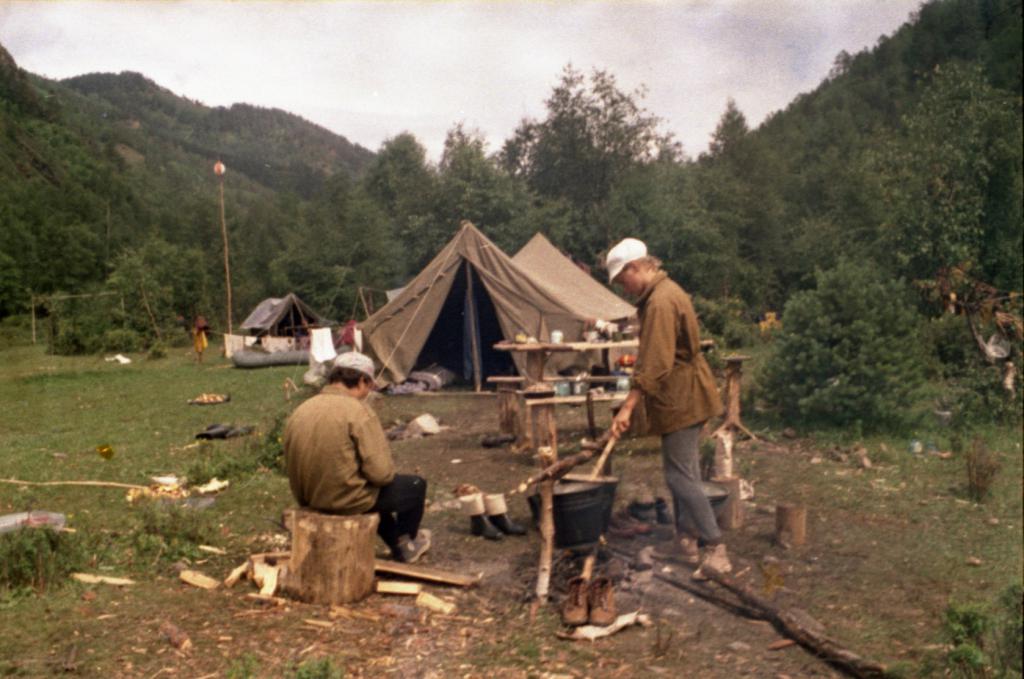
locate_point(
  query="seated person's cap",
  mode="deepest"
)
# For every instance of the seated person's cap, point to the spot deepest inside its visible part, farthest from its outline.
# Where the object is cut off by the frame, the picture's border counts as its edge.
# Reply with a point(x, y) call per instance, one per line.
point(356, 361)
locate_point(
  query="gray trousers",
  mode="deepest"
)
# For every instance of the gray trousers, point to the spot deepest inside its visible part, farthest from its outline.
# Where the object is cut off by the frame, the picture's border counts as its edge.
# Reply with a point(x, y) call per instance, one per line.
point(681, 457)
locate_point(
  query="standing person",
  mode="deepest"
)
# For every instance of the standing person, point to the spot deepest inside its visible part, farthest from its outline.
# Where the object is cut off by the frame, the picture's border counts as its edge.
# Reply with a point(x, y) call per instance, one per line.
point(199, 341)
point(679, 393)
point(339, 462)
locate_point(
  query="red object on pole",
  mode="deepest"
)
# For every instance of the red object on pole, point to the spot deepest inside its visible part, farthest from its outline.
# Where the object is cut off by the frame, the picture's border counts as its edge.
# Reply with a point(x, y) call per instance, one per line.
point(218, 169)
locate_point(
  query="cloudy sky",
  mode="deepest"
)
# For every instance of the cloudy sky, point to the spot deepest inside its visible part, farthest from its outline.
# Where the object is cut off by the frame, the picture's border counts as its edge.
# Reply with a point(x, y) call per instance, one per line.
point(371, 70)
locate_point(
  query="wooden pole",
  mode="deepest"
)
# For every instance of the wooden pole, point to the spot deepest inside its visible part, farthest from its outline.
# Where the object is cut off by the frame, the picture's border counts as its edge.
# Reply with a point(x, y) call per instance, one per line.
point(227, 265)
point(547, 527)
point(149, 310)
point(32, 305)
point(731, 515)
point(473, 327)
point(790, 525)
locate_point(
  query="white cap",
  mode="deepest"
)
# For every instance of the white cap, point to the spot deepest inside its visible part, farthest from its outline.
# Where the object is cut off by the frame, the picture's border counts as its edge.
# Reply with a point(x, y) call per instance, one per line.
point(626, 251)
point(356, 361)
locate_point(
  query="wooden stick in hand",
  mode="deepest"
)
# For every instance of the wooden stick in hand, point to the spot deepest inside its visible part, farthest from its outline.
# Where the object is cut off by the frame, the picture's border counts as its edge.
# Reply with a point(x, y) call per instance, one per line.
point(612, 440)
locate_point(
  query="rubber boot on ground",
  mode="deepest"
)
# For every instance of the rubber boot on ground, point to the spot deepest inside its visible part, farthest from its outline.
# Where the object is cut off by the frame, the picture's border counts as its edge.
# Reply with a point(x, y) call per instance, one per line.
point(497, 514)
point(478, 523)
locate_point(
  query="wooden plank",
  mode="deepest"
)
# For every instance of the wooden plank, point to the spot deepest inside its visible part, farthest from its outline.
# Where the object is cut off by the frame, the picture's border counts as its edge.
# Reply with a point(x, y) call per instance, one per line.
point(426, 573)
point(197, 579)
point(398, 587)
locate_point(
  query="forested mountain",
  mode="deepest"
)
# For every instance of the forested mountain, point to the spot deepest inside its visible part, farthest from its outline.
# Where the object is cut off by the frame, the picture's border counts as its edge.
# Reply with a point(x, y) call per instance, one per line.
point(907, 155)
point(97, 166)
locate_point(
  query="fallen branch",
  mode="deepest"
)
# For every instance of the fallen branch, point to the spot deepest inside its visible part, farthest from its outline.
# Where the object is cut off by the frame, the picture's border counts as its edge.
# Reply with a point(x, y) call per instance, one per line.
point(99, 484)
point(803, 629)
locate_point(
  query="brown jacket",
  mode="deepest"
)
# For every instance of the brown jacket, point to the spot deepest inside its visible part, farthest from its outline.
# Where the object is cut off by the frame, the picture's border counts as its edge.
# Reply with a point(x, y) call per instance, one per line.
point(679, 389)
point(336, 453)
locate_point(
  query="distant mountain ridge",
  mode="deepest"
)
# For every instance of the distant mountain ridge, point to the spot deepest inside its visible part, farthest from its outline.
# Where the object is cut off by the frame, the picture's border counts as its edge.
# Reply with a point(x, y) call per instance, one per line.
point(278, 149)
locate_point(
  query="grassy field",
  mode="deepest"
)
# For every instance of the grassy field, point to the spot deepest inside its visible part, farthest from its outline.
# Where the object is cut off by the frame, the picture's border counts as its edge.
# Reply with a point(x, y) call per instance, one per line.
point(890, 547)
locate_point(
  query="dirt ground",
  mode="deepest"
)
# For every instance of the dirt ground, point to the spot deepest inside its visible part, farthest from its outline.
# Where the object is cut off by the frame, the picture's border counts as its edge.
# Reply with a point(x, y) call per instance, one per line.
point(842, 577)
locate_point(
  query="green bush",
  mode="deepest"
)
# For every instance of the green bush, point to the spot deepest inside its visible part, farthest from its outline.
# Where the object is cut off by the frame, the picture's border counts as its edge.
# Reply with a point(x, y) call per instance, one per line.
point(977, 396)
point(38, 559)
point(849, 350)
point(119, 339)
point(726, 319)
point(986, 641)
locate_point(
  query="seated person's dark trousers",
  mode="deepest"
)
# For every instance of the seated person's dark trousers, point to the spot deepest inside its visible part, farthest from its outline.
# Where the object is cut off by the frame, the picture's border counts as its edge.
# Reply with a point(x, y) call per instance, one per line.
point(400, 505)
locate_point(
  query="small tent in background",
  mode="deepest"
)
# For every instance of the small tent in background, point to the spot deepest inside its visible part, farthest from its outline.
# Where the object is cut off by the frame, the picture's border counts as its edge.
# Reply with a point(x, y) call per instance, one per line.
point(279, 324)
point(286, 316)
point(469, 297)
point(576, 289)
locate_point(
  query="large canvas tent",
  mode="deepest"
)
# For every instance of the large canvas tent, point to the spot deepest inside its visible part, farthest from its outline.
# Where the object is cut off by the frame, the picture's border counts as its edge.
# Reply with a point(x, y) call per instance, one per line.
point(470, 296)
point(576, 289)
point(286, 316)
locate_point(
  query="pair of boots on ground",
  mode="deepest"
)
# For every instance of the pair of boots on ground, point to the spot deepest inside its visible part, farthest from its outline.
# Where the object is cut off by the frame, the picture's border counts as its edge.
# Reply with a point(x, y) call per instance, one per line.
point(589, 602)
point(488, 515)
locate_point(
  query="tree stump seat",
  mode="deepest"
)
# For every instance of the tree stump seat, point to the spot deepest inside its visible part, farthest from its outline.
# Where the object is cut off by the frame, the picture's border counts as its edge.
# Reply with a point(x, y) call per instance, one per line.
point(332, 556)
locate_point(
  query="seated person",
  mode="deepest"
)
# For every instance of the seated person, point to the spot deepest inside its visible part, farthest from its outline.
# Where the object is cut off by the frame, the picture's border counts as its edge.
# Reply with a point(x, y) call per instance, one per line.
point(339, 462)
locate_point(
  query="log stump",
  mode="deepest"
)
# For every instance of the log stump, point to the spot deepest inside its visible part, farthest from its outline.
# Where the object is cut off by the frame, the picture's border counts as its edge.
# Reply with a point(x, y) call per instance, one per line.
point(332, 557)
point(790, 525)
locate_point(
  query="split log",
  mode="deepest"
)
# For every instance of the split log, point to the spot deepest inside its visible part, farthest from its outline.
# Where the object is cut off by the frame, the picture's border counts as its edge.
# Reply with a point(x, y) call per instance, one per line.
point(331, 558)
point(730, 517)
point(197, 579)
point(431, 602)
point(790, 525)
point(424, 573)
point(397, 587)
point(803, 629)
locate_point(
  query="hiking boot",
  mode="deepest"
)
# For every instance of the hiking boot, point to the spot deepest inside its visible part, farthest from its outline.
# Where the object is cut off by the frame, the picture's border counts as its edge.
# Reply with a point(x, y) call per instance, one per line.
point(682, 550)
point(574, 608)
point(412, 549)
point(715, 558)
point(601, 597)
